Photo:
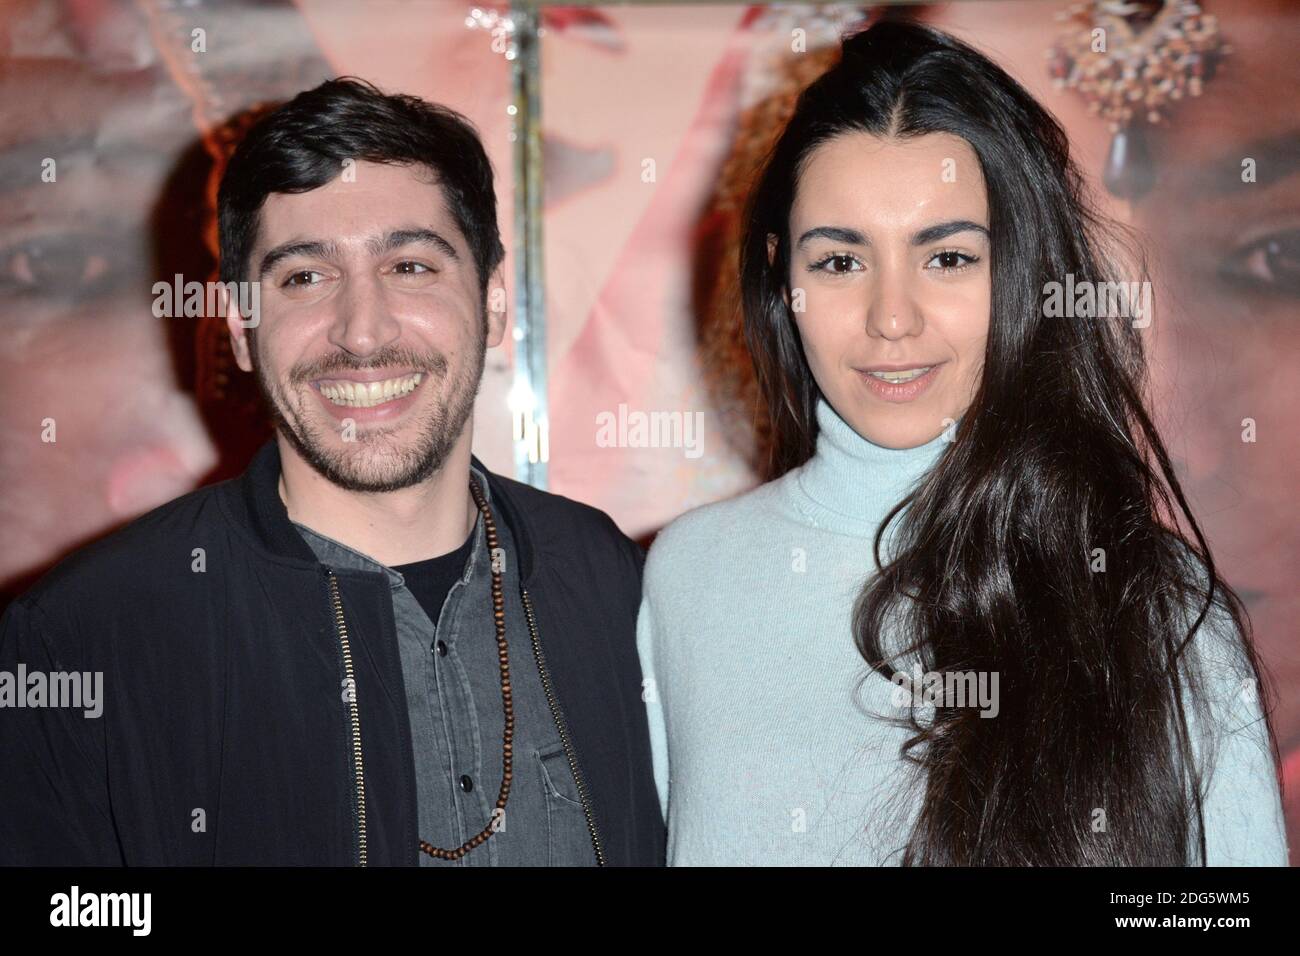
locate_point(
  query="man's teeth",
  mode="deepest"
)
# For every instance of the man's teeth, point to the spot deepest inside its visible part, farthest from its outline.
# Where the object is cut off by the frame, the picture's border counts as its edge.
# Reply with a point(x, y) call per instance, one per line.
point(897, 378)
point(368, 394)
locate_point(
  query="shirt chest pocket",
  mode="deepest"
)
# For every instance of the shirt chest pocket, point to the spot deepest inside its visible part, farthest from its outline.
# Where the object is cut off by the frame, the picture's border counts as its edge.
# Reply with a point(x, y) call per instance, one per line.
point(568, 837)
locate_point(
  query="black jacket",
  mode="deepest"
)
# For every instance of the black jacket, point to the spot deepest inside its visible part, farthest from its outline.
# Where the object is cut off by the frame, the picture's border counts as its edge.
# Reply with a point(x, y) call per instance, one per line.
point(227, 736)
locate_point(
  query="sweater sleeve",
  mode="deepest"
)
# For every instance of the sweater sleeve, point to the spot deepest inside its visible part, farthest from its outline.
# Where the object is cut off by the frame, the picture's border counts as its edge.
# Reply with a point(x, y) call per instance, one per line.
point(1242, 805)
point(652, 695)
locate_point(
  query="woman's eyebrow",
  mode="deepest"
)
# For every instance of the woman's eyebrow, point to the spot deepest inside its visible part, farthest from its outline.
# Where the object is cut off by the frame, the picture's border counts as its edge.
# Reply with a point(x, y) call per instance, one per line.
point(835, 234)
point(942, 230)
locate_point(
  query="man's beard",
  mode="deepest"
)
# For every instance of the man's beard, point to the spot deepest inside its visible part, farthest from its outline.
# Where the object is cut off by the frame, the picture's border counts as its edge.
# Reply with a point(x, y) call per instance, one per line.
point(375, 461)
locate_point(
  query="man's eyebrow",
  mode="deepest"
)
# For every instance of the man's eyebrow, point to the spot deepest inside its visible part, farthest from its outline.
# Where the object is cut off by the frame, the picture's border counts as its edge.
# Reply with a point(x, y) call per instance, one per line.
point(1276, 157)
point(313, 248)
point(941, 230)
point(375, 245)
point(379, 245)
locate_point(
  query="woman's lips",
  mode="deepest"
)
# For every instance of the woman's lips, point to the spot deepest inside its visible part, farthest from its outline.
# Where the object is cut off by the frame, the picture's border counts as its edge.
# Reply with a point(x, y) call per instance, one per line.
point(903, 391)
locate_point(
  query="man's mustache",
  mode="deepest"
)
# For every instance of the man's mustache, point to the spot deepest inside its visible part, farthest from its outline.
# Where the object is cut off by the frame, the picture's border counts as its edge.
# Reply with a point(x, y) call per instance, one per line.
point(434, 364)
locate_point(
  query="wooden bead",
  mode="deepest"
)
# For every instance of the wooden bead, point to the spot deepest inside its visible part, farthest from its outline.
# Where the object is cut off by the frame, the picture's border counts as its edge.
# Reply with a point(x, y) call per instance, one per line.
point(507, 696)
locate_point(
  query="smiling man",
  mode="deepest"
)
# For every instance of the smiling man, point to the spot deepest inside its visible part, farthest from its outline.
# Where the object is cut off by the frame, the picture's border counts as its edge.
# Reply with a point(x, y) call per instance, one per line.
point(369, 649)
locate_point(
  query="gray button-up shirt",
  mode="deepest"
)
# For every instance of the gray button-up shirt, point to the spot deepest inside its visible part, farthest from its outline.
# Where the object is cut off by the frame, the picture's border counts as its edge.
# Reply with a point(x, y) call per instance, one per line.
point(457, 717)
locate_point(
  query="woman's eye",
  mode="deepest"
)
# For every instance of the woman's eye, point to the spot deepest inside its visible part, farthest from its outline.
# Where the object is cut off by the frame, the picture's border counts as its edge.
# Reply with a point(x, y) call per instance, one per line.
point(951, 259)
point(303, 274)
point(837, 264)
point(69, 264)
point(1272, 264)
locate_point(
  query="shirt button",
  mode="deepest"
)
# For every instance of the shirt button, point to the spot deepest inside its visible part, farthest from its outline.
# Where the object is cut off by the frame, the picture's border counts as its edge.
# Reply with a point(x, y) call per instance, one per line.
point(466, 783)
point(442, 649)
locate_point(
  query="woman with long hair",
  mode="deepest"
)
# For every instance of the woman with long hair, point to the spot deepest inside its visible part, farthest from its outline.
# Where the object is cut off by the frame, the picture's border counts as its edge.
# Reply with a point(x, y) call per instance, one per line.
point(971, 619)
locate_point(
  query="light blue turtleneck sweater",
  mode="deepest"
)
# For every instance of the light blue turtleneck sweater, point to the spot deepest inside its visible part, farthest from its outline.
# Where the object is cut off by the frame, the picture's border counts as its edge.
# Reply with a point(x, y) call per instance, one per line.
point(764, 719)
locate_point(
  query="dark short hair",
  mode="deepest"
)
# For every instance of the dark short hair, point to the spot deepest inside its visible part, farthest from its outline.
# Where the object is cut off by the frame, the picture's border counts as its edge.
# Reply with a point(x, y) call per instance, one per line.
point(301, 146)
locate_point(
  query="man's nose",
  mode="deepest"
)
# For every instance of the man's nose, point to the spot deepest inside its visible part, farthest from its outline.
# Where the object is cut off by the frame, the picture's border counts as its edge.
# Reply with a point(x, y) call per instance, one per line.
point(364, 324)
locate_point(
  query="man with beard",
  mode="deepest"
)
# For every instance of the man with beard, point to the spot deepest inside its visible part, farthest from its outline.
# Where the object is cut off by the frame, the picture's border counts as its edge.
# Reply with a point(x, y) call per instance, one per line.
point(368, 649)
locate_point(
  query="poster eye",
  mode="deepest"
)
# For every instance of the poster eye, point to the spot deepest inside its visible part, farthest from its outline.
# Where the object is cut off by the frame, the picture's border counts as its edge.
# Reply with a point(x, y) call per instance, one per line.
point(1271, 264)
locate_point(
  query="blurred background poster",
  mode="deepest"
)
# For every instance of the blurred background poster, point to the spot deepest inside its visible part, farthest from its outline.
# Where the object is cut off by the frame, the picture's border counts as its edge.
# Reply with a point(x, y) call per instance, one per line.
point(648, 122)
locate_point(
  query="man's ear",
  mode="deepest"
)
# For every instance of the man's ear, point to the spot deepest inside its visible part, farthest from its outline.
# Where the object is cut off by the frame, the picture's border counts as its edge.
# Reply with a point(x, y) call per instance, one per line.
point(771, 258)
point(239, 343)
point(496, 306)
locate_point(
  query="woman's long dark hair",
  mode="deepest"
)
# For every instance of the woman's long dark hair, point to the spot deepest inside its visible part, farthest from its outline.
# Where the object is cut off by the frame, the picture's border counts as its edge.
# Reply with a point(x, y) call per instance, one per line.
point(1056, 457)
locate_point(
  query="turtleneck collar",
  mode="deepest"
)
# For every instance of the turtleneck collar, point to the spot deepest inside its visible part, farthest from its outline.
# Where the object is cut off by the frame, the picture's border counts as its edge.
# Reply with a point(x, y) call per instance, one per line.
point(850, 483)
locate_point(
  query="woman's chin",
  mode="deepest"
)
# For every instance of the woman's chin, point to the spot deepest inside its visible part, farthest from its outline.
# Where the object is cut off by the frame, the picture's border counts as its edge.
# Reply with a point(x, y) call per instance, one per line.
point(899, 428)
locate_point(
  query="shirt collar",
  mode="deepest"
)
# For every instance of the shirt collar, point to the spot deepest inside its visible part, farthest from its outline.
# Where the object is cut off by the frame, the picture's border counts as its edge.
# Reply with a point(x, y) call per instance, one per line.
point(339, 554)
point(252, 503)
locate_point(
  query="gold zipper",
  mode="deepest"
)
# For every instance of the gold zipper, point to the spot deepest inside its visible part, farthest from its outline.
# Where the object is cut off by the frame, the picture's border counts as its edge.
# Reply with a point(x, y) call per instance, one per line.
point(354, 718)
point(558, 715)
point(355, 722)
